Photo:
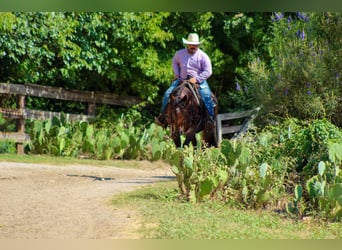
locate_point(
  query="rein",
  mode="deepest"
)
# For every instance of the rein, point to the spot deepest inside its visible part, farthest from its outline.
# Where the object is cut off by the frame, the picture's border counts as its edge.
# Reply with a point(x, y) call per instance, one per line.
point(191, 87)
point(195, 94)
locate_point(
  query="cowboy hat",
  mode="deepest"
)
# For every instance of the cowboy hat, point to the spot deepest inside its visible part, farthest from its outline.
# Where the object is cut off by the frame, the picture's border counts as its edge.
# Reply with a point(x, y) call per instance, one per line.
point(192, 39)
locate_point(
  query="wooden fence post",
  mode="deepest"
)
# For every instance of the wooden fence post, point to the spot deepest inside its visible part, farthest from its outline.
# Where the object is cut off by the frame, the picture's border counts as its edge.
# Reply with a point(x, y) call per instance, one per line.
point(21, 124)
point(91, 108)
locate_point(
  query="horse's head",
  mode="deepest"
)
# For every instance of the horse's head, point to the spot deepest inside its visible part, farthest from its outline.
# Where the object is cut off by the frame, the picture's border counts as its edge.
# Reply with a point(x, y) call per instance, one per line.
point(181, 106)
point(180, 97)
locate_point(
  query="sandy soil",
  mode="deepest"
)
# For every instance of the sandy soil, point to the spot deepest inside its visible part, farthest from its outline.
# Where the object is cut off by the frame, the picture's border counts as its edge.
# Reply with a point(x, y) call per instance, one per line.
point(39, 201)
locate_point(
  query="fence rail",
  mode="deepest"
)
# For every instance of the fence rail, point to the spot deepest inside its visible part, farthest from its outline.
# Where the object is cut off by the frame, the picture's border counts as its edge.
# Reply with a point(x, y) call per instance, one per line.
point(245, 117)
point(16, 136)
point(67, 94)
point(21, 113)
point(41, 115)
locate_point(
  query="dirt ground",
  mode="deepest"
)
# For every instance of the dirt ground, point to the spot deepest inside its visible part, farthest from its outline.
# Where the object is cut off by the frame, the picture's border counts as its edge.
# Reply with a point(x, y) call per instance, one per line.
point(39, 201)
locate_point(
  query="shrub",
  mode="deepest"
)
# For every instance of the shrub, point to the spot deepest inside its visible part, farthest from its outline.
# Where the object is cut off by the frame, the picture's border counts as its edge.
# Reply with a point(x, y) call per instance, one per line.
point(100, 140)
point(303, 78)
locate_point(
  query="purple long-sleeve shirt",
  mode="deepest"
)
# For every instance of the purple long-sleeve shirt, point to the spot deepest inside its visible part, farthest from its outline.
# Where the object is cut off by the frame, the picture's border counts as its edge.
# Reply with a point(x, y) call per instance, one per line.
point(196, 65)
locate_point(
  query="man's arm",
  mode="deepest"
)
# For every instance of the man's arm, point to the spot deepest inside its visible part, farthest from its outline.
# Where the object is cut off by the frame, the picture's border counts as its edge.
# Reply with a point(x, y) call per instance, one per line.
point(175, 67)
point(206, 69)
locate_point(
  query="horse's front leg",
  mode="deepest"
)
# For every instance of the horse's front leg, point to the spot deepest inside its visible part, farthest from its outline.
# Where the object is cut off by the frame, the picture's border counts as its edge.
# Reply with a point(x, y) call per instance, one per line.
point(176, 139)
point(190, 137)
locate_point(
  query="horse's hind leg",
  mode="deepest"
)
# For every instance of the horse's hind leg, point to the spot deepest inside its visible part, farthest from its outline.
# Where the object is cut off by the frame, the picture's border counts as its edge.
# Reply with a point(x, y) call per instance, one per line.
point(213, 139)
point(210, 136)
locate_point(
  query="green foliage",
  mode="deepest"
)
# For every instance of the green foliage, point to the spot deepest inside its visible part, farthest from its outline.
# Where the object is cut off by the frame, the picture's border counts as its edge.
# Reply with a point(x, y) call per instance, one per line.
point(254, 181)
point(200, 173)
point(2, 120)
point(89, 51)
point(260, 169)
point(310, 142)
point(243, 39)
point(7, 147)
point(325, 191)
point(102, 140)
point(302, 79)
point(304, 157)
point(296, 207)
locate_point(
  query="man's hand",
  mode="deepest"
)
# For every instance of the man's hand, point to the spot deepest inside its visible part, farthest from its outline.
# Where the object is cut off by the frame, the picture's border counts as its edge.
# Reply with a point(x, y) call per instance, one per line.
point(193, 80)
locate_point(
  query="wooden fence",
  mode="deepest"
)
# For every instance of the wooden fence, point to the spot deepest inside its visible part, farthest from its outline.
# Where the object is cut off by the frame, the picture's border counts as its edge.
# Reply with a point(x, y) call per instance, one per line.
point(21, 113)
point(235, 123)
point(231, 124)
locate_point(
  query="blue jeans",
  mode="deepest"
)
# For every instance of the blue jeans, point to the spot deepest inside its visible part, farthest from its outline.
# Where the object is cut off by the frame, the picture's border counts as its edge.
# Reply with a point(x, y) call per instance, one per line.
point(204, 91)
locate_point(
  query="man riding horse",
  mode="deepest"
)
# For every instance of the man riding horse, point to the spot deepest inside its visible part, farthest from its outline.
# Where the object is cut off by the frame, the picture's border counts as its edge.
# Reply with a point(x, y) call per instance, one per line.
point(193, 64)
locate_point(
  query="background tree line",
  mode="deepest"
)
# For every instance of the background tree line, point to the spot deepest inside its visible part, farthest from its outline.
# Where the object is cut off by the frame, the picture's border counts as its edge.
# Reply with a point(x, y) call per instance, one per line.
point(286, 63)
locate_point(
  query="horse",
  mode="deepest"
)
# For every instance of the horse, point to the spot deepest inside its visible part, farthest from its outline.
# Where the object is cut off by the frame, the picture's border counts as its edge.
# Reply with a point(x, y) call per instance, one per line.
point(187, 115)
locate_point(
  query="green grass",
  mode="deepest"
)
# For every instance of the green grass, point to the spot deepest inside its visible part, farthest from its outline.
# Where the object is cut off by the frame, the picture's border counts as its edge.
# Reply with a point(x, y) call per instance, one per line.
point(60, 161)
point(166, 217)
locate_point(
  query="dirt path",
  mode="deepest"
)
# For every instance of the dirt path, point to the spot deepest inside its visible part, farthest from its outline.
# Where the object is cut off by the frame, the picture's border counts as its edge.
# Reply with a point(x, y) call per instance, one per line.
point(70, 202)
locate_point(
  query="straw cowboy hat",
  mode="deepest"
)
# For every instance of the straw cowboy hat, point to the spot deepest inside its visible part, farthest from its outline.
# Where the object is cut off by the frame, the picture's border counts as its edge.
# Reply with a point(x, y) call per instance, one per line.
point(192, 39)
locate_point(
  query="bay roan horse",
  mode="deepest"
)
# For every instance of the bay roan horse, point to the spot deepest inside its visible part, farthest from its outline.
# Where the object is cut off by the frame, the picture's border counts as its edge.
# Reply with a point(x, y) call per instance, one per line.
point(186, 115)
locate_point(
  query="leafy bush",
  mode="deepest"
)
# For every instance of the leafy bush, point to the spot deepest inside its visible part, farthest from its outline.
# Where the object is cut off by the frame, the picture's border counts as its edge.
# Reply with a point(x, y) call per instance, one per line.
point(303, 159)
point(296, 162)
point(257, 172)
point(199, 172)
point(7, 147)
point(99, 140)
point(303, 78)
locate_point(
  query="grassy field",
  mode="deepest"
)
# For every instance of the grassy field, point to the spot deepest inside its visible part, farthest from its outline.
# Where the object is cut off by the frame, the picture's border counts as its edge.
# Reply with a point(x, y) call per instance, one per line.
point(44, 159)
point(164, 216)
